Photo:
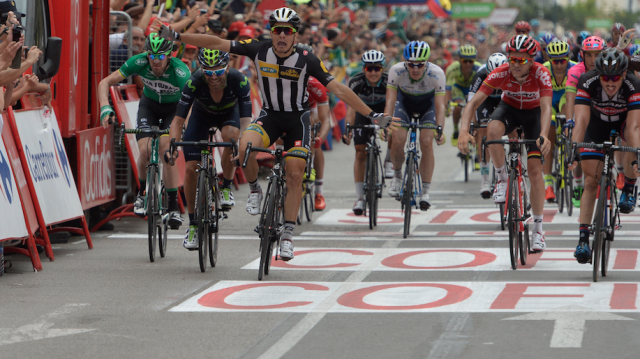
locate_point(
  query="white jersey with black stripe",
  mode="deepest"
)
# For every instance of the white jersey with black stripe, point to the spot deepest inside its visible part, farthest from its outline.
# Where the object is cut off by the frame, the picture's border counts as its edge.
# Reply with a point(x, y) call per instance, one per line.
point(283, 80)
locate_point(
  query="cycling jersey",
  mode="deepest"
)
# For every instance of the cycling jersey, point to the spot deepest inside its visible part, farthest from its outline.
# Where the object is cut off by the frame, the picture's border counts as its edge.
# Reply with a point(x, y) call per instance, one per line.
point(164, 89)
point(524, 96)
point(374, 97)
point(573, 76)
point(591, 93)
point(317, 93)
point(476, 82)
point(237, 93)
point(558, 99)
point(457, 83)
point(417, 95)
point(283, 81)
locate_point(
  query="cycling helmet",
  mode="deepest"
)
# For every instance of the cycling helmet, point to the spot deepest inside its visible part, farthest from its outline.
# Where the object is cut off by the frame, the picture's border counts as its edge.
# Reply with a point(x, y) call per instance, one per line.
point(548, 38)
point(157, 45)
point(374, 57)
point(522, 43)
point(535, 22)
point(611, 62)
point(417, 51)
point(523, 26)
point(468, 52)
point(305, 47)
point(592, 43)
point(284, 14)
point(213, 58)
point(569, 35)
point(558, 49)
point(582, 36)
point(495, 60)
point(618, 27)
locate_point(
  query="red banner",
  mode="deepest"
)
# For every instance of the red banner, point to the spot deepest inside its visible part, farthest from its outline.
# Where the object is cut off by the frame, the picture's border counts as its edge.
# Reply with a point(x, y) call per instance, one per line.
point(96, 167)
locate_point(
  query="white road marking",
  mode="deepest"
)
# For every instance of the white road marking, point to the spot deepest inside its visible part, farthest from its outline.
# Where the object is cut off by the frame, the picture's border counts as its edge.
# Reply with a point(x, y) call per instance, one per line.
point(569, 326)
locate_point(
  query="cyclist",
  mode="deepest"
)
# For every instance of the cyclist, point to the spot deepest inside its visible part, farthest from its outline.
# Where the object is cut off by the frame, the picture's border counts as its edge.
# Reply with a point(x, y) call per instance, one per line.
point(522, 28)
point(459, 75)
point(559, 64)
point(283, 77)
point(482, 113)
point(217, 96)
point(577, 49)
point(164, 77)
point(608, 98)
point(526, 102)
point(371, 86)
point(617, 30)
point(415, 86)
point(591, 47)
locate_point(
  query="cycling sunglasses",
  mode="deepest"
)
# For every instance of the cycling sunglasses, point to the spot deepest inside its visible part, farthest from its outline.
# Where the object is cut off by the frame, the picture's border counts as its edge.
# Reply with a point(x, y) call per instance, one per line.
point(415, 66)
point(522, 32)
point(218, 72)
point(519, 60)
point(288, 30)
point(468, 61)
point(611, 78)
point(372, 68)
point(157, 56)
point(559, 61)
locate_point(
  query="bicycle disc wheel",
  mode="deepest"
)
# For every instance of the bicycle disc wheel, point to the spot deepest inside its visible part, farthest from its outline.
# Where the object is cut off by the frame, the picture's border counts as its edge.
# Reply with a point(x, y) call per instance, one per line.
point(599, 225)
point(202, 217)
point(371, 187)
point(513, 215)
point(164, 227)
point(152, 211)
point(214, 227)
point(408, 194)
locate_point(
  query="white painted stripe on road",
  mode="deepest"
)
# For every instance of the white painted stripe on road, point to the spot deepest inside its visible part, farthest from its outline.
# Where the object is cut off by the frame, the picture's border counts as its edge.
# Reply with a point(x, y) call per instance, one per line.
point(440, 235)
point(411, 297)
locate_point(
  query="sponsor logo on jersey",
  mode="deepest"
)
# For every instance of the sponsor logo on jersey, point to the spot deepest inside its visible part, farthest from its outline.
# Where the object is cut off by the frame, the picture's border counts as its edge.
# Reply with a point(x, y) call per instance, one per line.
point(497, 75)
point(180, 72)
point(324, 68)
point(256, 128)
point(431, 74)
point(298, 143)
point(141, 61)
point(609, 110)
point(634, 98)
point(160, 87)
point(583, 93)
point(268, 70)
point(543, 75)
point(190, 85)
point(588, 83)
point(247, 41)
point(522, 95)
point(244, 82)
point(305, 52)
point(631, 87)
point(289, 73)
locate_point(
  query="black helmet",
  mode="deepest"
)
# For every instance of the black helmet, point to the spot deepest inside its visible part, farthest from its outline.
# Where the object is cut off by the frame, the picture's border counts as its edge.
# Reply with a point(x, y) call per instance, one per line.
point(284, 14)
point(611, 62)
point(157, 45)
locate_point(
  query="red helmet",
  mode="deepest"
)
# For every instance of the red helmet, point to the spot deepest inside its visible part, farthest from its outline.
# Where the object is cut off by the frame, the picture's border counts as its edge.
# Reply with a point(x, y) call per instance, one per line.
point(523, 26)
point(522, 43)
point(618, 27)
point(592, 43)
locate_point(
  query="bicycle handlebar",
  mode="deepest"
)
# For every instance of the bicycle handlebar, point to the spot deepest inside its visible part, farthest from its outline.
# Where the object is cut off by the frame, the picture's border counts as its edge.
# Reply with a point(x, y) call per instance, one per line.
point(276, 153)
point(607, 146)
point(511, 141)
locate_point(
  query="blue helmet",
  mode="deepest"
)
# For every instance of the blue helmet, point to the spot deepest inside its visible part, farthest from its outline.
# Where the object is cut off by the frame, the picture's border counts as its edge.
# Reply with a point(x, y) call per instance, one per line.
point(581, 36)
point(548, 38)
point(417, 51)
point(534, 22)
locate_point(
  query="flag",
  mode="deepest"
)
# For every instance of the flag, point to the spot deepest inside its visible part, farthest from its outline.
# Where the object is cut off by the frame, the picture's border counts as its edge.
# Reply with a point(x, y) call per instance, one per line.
point(440, 8)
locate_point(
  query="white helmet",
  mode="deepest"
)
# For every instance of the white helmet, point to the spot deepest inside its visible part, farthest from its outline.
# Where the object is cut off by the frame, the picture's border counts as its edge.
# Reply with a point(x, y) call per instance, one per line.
point(373, 57)
point(495, 60)
point(284, 14)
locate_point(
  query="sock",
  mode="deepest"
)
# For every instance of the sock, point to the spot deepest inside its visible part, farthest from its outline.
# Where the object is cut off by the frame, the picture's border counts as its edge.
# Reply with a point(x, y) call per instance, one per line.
point(143, 186)
point(397, 174)
point(548, 180)
point(577, 181)
point(192, 219)
point(501, 173)
point(387, 158)
point(226, 183)
point(254, 186)
point(484, 171)
point(629, 184)
point(319, 183)
point(584, 233)
point(620, 168)
point(289, 227)
point(425, 187)
point(537, 223)
point(172, 193)
point(455, 128)
point(360, 190)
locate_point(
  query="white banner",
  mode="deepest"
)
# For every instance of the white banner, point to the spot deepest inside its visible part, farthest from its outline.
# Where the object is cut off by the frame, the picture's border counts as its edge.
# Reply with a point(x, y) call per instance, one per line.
point(12, 224)
point(48, 165)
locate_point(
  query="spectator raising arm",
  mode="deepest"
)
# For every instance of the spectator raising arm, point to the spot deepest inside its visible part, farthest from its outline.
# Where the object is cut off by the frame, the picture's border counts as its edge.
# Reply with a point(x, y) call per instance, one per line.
point(8, 76)
point(117, 5)
point(192, 14)
point(200, 40)
point(146, 16)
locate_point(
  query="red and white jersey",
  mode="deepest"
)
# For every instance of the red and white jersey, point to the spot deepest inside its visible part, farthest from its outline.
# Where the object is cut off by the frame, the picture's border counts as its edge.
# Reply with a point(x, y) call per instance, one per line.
point(524, 96)
point(317, 93)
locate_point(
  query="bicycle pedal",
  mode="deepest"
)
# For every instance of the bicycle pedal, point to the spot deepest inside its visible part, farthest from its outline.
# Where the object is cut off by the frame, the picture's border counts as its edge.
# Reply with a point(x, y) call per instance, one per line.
point(424, 206)
point(257, 230)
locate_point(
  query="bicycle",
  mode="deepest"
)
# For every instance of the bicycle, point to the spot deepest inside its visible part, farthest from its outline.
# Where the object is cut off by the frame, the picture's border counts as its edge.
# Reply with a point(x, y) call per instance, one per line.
point(561, 162)
point(208, 210)
point(156, 198)
point(307, 205)
point(271, 223)
point(607, 218)
point(411, 182)
point(467, 163)
point(373, 176)
point(518, 201)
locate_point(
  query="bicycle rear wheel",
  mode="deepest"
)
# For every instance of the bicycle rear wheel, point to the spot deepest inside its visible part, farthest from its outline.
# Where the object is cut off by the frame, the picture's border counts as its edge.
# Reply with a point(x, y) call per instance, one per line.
point(524, 237)
point(568, 189)
point(309, 205)
point(513, 214)
point(214, 228)
point(502, 216)
point(408, 193)
point(152, 211)
point(162, 233)
point(203, 202)
point(600, 229)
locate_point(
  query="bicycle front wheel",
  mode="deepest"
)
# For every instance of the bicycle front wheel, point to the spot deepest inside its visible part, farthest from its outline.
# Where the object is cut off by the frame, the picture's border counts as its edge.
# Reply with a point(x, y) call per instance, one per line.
point(371, 180)
point(266, 222)
point(162, 233)
point(612, 216)
point(408, 193)
point(309, 205)
point(214, 228)
point(152, 211)
point(513, 217)
point(599, 224)
point(203, 201)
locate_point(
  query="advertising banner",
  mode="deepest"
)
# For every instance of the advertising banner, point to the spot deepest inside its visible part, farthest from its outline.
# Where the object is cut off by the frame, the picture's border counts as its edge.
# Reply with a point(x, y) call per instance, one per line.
point(96, 167)
point(12, 224)
point(471, 10)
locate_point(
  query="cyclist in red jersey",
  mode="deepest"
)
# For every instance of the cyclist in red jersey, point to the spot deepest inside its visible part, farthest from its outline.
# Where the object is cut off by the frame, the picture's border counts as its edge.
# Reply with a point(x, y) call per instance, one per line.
point(526, 102)
point(320, 111)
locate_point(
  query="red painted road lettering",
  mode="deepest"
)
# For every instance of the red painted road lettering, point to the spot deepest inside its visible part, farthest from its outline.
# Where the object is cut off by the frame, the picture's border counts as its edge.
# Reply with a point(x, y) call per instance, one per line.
point(217, 298)
point(455, 294)
point(513, 292)
point(355, 252)
point(480, 258)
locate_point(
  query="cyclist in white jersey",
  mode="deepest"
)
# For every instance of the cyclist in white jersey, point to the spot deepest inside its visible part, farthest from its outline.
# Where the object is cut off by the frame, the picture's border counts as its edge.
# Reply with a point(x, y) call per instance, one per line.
point(415, 86)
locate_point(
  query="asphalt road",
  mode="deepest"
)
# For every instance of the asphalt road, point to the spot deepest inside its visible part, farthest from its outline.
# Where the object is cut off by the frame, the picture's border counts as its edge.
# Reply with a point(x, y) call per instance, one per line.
point(447, 291)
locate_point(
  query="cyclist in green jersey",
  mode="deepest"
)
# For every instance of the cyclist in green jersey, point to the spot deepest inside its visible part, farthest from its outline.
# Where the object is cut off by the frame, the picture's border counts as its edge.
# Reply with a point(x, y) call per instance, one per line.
point(164, 77)
point(459, 75)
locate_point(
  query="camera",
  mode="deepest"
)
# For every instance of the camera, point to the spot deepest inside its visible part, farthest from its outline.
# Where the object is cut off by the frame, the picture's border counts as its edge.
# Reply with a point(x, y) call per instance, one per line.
point(203, 11)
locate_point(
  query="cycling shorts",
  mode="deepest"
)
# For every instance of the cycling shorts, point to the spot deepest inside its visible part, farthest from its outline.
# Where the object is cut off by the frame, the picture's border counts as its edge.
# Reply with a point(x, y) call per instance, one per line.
point(558, 108)
point(293, 127)
point(151, 113)
point(361, 135)
point(426, 116)
point(513, 118)
point(198, 128)
point(459, 93)
point(486, 108)
point(599, 131)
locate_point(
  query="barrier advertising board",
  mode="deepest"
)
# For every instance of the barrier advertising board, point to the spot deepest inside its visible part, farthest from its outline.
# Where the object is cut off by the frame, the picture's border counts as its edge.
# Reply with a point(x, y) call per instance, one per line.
point(12, 224)
point(96, 167)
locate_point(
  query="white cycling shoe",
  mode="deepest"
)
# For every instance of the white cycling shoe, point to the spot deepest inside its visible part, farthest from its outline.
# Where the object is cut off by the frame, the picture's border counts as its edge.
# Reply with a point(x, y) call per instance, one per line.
point(537, 243)
point(388, 170)
point(485, 190)
point(253, 203)
point(286, 249)
point(394, 188)
point(500, 192)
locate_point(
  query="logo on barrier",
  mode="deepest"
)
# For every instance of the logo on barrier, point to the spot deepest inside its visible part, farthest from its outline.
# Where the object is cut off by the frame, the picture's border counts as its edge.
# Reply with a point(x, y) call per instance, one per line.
point(6, 185)
point(61, 156)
